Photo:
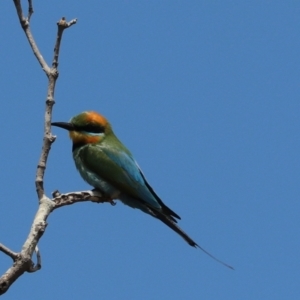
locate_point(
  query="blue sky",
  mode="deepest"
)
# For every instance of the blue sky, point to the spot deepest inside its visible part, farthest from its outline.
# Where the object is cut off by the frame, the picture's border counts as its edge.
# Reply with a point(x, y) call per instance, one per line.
point(206, 96)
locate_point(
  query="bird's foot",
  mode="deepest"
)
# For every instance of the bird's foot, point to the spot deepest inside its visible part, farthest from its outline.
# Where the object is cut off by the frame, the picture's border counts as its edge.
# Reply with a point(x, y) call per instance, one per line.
point(106, 198)
point(109, 200)
point(112, 202)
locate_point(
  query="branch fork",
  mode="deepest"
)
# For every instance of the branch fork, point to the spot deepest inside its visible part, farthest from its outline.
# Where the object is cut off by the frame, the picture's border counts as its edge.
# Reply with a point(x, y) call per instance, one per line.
point(22, 261)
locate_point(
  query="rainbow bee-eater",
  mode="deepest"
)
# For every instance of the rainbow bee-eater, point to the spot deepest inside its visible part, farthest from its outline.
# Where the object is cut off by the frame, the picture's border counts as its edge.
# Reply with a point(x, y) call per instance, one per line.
point(106, 164)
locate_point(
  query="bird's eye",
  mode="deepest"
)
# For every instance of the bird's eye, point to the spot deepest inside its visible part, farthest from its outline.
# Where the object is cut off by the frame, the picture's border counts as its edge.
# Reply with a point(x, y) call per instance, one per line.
point(92, 128)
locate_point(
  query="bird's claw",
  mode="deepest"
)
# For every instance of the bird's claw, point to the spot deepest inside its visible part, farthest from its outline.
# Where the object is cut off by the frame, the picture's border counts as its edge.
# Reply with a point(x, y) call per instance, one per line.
point(112, 202)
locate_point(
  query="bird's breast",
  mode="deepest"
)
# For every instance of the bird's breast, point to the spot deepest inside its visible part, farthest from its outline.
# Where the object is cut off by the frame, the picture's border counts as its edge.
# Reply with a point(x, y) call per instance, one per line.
point(94, 179)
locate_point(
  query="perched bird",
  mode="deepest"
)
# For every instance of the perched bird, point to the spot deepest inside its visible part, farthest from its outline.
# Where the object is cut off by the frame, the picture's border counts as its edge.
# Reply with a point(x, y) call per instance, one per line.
point(106, 164)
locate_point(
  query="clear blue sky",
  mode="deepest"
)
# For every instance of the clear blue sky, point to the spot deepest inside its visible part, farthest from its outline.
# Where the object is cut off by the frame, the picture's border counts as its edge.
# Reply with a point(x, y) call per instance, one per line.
point(206, 96)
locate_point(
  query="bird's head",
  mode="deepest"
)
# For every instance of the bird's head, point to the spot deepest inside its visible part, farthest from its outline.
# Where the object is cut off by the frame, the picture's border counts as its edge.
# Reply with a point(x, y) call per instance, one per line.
point(86, 128)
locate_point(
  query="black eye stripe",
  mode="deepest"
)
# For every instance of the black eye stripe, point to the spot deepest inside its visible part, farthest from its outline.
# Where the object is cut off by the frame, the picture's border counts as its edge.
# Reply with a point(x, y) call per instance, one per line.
point(92, 128)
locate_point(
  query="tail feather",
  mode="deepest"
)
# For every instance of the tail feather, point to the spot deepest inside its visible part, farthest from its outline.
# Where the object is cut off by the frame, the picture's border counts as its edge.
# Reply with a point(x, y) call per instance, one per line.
point(167, 210)
point(170, 223)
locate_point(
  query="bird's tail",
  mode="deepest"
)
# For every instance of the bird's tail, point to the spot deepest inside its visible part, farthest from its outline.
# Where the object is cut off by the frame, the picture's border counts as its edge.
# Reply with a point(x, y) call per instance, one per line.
point(165, 219)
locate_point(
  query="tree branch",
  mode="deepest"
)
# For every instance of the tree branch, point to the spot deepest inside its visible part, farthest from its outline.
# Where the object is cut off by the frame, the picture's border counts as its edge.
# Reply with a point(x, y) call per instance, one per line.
point(8, 252)
point(48, 137)
point(25, 25)
point(23, 260)
point(62, 25)
point(76, 197)
point(30, 10)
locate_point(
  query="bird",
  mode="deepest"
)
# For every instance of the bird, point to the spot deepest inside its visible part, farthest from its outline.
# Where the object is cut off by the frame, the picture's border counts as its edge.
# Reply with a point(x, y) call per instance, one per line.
point(106, 164)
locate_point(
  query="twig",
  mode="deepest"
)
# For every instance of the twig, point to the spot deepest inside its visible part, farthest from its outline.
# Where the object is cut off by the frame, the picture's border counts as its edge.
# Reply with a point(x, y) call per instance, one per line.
point(62, 25)
point(75, 197)
point(23, 260)
point(48, 137)
point(30, 10)
point(8, 252)
point(25, 25)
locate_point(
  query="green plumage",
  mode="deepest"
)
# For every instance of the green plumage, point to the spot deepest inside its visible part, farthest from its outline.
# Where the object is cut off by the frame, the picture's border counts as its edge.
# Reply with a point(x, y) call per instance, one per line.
point(106, 164)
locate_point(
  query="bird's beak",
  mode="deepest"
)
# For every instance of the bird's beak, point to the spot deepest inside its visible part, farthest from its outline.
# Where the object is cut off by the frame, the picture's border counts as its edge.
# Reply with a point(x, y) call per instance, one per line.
point(64, 125)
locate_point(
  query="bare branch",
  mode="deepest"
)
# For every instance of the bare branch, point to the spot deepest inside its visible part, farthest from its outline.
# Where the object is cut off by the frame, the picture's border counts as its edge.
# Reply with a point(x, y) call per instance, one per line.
point(62, 25)
point(75, 197)
point(8, 252)
point(48, 137)
point(23, 260)
point(25, 25)
point(19, 12)
point(30, 10)
point(48, 140)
